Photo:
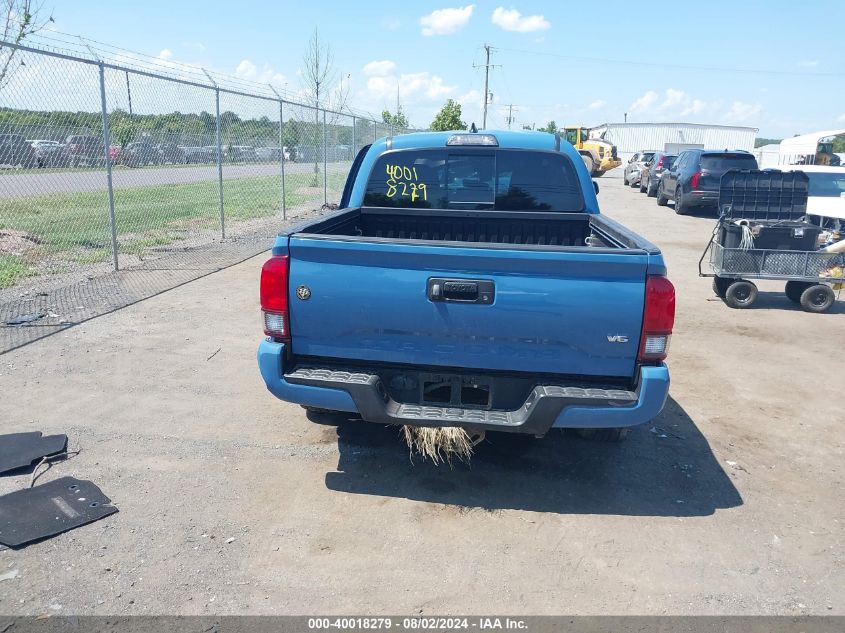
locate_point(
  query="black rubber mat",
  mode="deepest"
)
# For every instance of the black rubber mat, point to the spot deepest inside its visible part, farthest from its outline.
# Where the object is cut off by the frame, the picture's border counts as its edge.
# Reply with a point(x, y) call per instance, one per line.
point(52, 508)
point(18, 450)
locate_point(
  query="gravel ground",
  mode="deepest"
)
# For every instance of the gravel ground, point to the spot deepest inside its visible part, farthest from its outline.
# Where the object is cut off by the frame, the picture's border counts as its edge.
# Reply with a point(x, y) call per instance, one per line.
point(233, 502)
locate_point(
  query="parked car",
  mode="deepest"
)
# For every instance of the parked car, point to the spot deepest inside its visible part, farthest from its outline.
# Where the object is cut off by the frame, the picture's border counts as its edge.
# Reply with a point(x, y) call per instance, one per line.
point(194, 154)
point(16, 151)
point(83, 150)
point(693, 180)
point(140, 153)
point(241, 154)
point(114, 153)
point(631, 175)
point(653, 171)
point(171, 153)
point(272, 154)
point(457, 310)
point(48, 153)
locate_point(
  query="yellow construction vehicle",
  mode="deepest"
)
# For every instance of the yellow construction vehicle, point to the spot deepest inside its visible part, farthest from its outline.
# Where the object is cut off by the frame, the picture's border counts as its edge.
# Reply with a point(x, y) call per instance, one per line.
point(598, 155)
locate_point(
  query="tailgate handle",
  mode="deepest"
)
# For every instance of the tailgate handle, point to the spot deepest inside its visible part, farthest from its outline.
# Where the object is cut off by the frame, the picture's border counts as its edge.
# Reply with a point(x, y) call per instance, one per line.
point(461, 290)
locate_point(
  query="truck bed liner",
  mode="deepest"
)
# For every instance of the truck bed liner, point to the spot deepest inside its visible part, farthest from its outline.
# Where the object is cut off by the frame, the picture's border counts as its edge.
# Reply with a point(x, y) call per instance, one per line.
point(481, 227)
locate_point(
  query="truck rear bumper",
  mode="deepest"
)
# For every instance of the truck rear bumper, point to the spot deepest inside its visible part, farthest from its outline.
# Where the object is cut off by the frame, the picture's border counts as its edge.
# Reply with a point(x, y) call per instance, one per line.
point(546, 406)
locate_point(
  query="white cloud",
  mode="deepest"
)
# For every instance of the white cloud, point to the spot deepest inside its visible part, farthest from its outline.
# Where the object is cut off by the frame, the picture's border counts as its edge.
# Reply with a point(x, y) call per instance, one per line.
point(379, 68)
point(412, 86)
point(741, 112)
point(264, 75)
point(644, 102)
point(673, 98)
point(446, 21)
point(166, 54)
point(841, 118)
point(598, 103)
point(513, 20)
point(696, 106)
point(808, 63)
point(471, 98)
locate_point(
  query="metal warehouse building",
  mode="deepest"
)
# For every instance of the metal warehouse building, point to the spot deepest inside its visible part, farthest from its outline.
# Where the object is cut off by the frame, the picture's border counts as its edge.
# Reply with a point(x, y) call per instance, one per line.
point(674, 137)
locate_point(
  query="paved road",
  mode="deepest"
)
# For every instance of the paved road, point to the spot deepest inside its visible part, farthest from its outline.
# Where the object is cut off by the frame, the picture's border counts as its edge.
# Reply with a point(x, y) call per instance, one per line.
point(34, 183)
point(729, 503)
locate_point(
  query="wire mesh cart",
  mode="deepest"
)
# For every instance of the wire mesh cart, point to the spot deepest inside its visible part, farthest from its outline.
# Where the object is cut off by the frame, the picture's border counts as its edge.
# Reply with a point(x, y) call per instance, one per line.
point(770, 204)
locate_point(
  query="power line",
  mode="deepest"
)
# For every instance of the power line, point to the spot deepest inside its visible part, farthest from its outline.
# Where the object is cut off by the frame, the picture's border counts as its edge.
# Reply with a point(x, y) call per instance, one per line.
point(628, 62)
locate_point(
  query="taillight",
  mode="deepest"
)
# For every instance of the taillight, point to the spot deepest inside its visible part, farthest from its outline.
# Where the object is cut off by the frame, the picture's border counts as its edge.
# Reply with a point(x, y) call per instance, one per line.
point(660, 163)
point(693, 182)
point(274, 297)
point(658, 319)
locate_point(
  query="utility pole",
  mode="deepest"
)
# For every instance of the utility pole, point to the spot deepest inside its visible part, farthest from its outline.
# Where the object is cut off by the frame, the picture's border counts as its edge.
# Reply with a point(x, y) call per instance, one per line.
point(487, 67)
point(510, 114)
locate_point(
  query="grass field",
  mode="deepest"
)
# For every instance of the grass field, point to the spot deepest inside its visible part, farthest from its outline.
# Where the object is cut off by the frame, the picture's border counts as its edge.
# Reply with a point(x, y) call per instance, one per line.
point(50, 233)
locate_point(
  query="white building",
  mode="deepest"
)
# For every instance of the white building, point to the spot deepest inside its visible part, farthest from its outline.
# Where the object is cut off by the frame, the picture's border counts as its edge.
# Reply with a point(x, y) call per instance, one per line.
point(767, 155)
point(674, 137)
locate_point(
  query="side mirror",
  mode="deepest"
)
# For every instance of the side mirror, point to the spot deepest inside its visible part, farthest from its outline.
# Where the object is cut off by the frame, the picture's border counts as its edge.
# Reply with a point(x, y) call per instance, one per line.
point(596, 187)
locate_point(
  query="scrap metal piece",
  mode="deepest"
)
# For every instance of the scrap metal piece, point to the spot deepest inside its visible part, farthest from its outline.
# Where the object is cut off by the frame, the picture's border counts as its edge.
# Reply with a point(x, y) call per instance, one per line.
point(18, 450)
point(37, 513)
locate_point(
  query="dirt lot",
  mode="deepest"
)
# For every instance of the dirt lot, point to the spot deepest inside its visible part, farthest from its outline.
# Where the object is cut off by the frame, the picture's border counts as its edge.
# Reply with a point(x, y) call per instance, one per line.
point(729, 503)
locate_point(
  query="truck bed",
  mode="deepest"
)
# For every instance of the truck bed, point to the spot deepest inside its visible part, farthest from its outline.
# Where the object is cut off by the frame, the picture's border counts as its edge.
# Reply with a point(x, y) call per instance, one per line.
point(520, 229)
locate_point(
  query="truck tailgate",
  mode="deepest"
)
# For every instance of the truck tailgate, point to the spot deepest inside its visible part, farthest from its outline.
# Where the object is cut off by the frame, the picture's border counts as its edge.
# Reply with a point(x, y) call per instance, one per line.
point(575, 312)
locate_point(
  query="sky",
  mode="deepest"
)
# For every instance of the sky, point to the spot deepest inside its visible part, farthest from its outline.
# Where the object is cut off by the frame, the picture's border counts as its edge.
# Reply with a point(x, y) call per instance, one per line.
point(776, 65)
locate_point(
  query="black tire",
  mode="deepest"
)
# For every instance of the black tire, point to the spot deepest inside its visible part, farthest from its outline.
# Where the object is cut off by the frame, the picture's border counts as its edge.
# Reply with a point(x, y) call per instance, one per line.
point(720, 286)
point(651, 191)
point(589, 163)
point(643, 184)
point(680, 207)
point(817, 298)
point(624, 178)
point(794, 289)
point(741, 294)
point(598, 174)
point(662, 200)
point(603, 435)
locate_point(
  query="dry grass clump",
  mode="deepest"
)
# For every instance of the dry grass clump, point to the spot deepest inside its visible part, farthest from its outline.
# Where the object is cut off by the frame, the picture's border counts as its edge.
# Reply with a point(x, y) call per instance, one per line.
point(442, 443)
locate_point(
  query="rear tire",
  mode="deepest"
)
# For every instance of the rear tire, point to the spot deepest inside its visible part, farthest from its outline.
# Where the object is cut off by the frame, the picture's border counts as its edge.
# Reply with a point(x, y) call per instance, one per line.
point(588, 163)
point(680, 207)
point(794, 289)
point(643, 184)
point(603, 435)
point(624, 178)
point(662, 200)
point(817, 298)
point(741, 294)
point(720, 286)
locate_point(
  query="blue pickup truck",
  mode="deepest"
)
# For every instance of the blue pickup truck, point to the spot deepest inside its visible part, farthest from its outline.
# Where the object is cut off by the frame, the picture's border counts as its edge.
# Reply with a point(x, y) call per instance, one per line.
point(468, 279)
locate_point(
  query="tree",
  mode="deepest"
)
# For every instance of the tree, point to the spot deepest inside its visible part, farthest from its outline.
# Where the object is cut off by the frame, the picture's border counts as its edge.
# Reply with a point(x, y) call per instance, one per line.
point(23, 18)
point(449, 118)
point(396, 121)
point(318, 75)
point(551, 127)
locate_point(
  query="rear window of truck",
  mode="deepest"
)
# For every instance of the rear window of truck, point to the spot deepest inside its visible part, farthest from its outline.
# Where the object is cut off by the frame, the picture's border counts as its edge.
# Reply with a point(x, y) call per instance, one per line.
point(503, 180)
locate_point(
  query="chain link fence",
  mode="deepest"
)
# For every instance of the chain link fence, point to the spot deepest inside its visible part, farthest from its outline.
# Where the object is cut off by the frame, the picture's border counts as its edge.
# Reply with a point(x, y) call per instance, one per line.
point(117, 183)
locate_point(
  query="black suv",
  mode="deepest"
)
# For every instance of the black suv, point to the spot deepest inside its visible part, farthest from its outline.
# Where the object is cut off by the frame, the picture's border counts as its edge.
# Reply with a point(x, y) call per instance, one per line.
point(15, 150)
point(693, 180)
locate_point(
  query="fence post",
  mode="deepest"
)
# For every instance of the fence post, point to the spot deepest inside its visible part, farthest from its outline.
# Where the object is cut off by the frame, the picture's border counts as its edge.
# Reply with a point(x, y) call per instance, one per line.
point(325, 162)
point(219, 163)
point(219, 153)
point(354, 152)
point(106, 144)
point(282, 146)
